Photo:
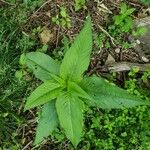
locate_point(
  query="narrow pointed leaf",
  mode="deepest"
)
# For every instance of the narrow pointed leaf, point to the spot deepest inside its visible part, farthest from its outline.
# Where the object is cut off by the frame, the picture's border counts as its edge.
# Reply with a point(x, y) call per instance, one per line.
point(106, 95)
point(42, 65)
point(48, 121)
point(77, 57)
point(70, 116)
point(44, 93)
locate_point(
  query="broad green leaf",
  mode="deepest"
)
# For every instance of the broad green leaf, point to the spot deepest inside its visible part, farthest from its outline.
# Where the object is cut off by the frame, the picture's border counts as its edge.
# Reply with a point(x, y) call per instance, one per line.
point(48, 121)
point(42, 65)
point(69, 110)
point(44, 93)
point(77, 57)
point(106, 95)
point(76, 89)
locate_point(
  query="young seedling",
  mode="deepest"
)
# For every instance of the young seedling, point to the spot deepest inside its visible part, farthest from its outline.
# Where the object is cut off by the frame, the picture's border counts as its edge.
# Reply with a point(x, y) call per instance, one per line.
point(79, 4)
point(124, 20)
point(62, 18)
point(65, 90)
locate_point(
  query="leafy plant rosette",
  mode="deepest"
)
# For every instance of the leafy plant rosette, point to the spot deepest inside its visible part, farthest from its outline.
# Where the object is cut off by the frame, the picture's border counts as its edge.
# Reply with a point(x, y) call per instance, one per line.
point(65, 90)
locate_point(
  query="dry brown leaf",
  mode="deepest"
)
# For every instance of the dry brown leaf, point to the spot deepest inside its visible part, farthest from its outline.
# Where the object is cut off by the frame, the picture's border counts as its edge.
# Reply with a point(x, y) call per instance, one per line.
point(110, 60)
point(45, 36)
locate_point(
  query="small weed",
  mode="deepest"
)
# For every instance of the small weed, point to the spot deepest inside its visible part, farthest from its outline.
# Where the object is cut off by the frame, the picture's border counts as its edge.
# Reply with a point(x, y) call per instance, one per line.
point(123, 21)
point(36, 31)
point(62, 18)
point(123, 26)
point(79, 4)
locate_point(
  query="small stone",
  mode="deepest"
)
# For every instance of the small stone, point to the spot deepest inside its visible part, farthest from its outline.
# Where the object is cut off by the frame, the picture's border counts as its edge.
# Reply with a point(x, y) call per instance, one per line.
point(145, 59)
point(48, 14)
point(110, 59)
point(117, 50)
point(138, 41)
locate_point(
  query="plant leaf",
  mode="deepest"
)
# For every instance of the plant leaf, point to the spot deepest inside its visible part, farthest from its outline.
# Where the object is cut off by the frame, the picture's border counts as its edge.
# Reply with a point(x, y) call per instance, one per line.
point(76, 89)
point(69, 110)
point(42, 94)
point(106, 95)
point(42, 65)
point(47, 123)
point(77, 57)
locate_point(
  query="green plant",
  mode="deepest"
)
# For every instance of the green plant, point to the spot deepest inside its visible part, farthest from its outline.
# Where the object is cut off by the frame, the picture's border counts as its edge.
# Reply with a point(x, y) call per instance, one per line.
point(123, 25)
point(62, 18)
point(124, 20)
point(66, 92)
point(79, 4)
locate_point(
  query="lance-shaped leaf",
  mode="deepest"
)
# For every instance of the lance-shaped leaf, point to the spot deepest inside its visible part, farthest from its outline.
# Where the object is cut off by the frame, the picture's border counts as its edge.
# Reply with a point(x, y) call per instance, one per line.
point(69, 110)
point(106, 95)
point(47, 123)
point(42, 65)
point(44, 93)
point(77, 57)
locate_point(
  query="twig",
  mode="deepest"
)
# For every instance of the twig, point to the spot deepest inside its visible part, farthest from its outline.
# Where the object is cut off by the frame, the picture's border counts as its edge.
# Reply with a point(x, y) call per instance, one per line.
point(126, 66)
point(111, 38)
point(27, 145)
point(119, 67)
